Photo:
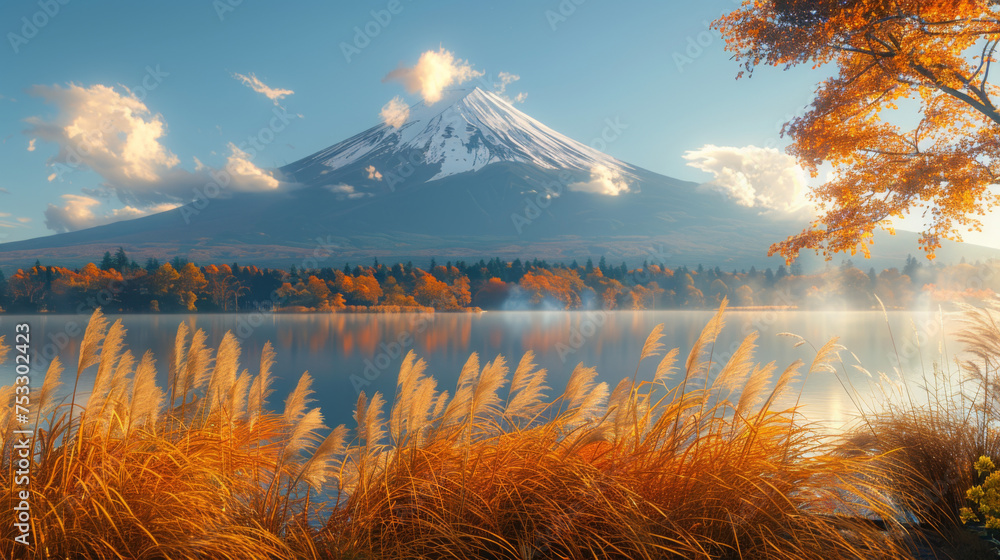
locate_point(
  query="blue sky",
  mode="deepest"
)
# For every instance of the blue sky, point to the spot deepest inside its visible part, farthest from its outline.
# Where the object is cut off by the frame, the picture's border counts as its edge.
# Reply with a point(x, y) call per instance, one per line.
point(651, 66)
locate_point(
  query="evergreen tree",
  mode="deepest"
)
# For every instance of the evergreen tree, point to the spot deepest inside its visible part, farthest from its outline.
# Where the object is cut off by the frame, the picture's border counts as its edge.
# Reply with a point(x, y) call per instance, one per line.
point(107, 263)
point(589, 268)
point(121, 260)
point(152, 264)
point(516, 271)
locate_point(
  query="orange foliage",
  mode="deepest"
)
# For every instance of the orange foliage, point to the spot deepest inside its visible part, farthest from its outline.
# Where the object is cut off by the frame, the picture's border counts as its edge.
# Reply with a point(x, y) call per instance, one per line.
point(562, 285)
point(933, 58)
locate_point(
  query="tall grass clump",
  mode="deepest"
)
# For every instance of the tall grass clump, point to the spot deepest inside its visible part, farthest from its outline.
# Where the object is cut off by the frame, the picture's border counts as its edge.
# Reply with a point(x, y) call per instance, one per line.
point(706, 461)
point(689, 465)
point(931, 438)
point(127, 470)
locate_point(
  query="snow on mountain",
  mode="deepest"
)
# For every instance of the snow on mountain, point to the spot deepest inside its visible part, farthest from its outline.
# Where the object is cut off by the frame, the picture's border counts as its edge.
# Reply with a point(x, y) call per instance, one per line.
point(466, 131)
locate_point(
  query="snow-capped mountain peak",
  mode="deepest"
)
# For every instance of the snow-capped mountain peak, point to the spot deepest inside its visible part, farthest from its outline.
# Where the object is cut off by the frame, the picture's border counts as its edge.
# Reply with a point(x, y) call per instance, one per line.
point(465, 131)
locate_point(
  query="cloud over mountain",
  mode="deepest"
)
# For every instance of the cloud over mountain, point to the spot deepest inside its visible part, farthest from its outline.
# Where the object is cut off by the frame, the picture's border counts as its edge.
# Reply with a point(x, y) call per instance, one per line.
point(753, 177)
point(434, 72)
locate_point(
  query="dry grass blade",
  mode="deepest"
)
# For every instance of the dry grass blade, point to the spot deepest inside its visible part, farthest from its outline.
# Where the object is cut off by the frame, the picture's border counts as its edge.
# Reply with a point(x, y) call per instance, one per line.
point(460, 405)
point(260, 389)
point(223, 376)
point(325, 462)
point(92, 336)
point(175, 375)
point(302, 434)
point(666, 367)
point(298, 400)
point(527, 390)
point(407, 388)
point(485, 397)
point(44, 402)
point(147, 397)
point(736, 371)
point(652, 346)
point(696, 364)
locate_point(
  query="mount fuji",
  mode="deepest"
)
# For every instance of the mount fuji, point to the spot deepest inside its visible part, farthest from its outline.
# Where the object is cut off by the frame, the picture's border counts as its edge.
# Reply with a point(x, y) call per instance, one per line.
point(468, 177)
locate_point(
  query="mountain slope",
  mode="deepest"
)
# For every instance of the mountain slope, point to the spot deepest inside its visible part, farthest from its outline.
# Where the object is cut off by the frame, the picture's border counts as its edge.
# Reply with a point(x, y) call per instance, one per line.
point(467, 178)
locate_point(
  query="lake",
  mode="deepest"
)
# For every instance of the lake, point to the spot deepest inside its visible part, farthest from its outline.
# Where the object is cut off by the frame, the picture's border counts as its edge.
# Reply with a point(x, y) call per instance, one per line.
point(350, 352)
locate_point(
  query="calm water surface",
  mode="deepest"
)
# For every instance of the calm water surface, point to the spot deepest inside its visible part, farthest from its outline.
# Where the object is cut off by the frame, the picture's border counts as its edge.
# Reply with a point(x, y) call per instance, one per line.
point(349, 352)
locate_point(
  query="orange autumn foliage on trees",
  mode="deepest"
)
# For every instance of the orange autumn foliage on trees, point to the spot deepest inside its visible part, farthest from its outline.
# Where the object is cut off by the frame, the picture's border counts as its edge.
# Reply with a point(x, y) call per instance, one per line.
point(909, 120)
point(561, 285)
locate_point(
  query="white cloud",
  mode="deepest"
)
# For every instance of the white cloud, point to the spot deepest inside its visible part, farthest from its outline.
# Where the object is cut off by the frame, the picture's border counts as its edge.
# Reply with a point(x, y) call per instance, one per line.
point(753, 177)
point(603, 180)
point(254, 83)
point(373, 173)
point(500, 88)
point(31, 144)
point(119, 138)
point(4, 191)
point(78, 212)
point(115, 135)
point(24, 220)
point(395, 112)
point(434, 72)
point(346, 192)
point(4, 214)
point(248, 176)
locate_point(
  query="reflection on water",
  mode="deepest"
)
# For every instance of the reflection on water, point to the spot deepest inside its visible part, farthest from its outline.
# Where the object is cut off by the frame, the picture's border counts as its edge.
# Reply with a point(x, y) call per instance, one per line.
point(348, 352)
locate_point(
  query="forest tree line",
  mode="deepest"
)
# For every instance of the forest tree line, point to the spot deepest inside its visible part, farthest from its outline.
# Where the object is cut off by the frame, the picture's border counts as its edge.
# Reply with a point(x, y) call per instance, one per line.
point(119, 284)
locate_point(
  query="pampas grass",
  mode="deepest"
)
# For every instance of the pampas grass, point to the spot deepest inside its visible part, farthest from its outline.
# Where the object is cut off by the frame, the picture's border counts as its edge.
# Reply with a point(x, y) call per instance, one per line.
point(676, 467)
point(930, 438)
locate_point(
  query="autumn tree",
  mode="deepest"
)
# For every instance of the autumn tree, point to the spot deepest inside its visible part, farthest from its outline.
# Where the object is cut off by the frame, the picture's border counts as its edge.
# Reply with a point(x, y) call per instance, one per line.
point(560, 285)
point(318, 293)
point(32, 285)
point(162, 281)
point(492, 294)
point(908, 120)
point(190, 281)
point(434, 293)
